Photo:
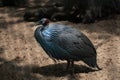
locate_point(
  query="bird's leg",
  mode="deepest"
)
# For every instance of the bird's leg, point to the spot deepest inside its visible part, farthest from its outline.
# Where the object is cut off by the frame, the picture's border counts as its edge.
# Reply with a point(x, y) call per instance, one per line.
point(68, 64)
point(72, 67)
point(54, 60)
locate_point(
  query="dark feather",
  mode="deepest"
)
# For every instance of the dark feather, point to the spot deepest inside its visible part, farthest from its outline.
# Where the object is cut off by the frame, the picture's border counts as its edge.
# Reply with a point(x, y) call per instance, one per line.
point(66, 43)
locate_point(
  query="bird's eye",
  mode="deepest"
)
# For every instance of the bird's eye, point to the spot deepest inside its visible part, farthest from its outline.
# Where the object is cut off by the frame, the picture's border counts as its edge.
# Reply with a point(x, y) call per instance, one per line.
point(41, 22)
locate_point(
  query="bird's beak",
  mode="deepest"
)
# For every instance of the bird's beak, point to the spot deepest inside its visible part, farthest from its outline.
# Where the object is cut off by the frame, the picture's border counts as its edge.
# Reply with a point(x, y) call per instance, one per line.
point(37, 25)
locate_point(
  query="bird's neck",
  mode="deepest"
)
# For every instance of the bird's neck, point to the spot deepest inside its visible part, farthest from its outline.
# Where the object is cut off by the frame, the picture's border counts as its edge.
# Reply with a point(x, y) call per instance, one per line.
point(44, 27)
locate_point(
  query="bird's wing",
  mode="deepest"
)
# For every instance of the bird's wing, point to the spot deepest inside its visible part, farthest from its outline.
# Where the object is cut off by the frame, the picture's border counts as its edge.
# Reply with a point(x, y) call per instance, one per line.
point(74, 42)
point(76, 46)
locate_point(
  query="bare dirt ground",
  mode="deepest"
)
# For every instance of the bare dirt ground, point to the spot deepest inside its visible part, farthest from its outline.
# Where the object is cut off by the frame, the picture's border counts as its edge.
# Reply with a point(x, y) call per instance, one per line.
point(21, 58)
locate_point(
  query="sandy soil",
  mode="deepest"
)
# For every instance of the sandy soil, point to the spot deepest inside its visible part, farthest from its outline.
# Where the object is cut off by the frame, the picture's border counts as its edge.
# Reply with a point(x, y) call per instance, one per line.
point(21, 58)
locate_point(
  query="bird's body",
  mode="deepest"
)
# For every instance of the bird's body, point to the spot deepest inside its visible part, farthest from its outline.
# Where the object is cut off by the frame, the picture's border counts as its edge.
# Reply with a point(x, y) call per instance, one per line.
point(66, 43)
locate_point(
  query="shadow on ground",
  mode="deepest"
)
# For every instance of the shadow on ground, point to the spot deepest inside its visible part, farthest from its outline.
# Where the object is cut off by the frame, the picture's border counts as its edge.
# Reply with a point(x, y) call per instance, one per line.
point(10, 70)
point(59, 70)
point(13, 71)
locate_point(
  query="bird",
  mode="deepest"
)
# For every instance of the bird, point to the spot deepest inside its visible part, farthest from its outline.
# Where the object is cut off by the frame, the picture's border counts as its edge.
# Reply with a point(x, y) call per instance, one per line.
point(63, 42)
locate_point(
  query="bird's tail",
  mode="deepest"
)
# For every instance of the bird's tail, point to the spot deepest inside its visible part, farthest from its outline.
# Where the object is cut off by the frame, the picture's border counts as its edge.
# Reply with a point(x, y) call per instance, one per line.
point(92, 62)
point(98, 67)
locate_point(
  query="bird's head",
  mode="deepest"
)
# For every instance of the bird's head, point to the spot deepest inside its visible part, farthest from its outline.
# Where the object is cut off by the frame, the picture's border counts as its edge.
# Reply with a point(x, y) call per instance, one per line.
point(43, 22)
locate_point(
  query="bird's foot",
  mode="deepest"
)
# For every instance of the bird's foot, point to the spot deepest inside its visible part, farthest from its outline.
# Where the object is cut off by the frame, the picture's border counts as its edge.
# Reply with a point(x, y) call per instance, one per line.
point(98, 67)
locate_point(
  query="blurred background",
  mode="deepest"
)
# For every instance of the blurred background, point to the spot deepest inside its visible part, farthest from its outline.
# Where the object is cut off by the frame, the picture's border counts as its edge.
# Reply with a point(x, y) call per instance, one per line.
point(21, 58)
